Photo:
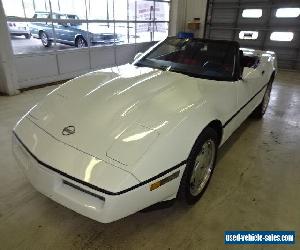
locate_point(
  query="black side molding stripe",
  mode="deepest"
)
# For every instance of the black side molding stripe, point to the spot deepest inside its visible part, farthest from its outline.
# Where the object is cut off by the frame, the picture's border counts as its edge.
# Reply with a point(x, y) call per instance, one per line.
point(93, 186)
point(236, 113)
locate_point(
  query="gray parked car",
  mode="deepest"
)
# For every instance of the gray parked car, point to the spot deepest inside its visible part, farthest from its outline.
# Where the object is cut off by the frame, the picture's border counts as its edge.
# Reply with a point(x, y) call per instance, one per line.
point(74, 34)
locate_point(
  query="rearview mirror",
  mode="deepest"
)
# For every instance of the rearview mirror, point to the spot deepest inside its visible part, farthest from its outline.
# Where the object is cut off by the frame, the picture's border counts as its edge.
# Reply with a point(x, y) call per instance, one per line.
point(137, 56)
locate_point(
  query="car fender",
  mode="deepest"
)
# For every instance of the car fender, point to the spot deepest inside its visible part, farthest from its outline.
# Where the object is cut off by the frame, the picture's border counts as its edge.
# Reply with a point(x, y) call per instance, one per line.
point(173, 146)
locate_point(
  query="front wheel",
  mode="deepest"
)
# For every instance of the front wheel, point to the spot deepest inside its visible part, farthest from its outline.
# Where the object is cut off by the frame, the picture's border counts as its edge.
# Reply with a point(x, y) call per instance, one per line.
point(200, 165)
point(45, 39)
point(80, 42)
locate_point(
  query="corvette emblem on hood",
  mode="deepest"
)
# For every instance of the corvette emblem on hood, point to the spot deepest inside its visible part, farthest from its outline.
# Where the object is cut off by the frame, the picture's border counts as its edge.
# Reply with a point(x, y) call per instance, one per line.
point(68, 130)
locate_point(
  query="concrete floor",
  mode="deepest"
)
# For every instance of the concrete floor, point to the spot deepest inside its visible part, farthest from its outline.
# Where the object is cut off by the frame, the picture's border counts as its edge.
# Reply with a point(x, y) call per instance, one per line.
point(255, 187)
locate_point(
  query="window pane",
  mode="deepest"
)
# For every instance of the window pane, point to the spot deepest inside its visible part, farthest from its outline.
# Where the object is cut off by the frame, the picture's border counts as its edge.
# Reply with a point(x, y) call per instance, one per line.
point(69, 23)
point(72, 7)
point(28, 8)
point(288, 12)
point(252, 13)
point(100, 9)
point(145, 10)
point(27, 45)
point(161, 31)
point(13, 8)
point(144, 32)
point(55, 5)
point(162, 10)
point(248, 35)
point(102, 34)
point(41, 5)
point(122, 35)
point(131, 29)
point(121, 9)
point(282, 36)
point(132, 9)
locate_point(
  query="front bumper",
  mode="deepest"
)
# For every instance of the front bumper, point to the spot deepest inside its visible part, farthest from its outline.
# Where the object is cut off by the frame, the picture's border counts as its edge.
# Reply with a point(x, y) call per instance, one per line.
point(84, 200)
point(20, 33)
point(104, 42)
point(80, 198)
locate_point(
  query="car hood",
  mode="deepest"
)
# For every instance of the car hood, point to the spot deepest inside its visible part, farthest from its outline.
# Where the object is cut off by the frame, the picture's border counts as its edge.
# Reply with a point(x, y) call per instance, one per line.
point(118, 113)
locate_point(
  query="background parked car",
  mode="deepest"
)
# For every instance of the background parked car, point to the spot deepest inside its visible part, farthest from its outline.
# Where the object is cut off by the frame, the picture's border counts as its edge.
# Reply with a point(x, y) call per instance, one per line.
point(70, 33)
point(19, 29)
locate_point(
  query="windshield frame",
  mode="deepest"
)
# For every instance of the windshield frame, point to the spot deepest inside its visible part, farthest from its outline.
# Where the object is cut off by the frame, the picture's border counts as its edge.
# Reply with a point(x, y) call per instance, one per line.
point(236, 64)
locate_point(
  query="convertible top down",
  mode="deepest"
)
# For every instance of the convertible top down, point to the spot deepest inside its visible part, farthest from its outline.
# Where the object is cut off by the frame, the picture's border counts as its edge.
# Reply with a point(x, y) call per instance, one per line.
point(115, 141)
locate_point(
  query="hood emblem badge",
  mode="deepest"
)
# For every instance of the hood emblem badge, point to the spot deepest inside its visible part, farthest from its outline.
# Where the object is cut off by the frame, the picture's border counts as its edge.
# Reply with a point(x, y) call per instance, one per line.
point(69, 130)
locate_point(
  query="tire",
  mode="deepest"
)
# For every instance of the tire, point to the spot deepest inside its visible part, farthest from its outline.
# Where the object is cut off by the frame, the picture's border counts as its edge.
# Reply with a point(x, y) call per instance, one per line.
point(45, 39)
point(191, 189)
point(80, 42)
point(260, 110)
point(27, 36)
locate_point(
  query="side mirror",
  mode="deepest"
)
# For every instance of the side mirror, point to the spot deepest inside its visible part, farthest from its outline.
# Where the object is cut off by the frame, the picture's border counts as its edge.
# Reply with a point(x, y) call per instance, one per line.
point(137, 56)
point(251, 74)
point(241, 72)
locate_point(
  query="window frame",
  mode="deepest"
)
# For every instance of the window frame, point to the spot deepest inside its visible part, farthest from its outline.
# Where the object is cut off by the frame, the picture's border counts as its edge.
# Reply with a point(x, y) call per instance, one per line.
point(51, 21)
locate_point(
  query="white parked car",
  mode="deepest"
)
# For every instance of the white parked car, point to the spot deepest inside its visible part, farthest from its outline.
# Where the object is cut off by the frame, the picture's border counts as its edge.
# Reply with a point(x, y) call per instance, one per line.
point(115, 141)
point(18, 29)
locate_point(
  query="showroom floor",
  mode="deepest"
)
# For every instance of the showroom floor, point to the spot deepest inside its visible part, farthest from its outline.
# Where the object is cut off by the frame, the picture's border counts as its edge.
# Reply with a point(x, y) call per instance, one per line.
point(255, 187)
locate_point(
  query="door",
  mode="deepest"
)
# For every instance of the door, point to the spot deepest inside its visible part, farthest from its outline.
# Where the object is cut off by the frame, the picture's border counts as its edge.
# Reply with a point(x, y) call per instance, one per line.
point(249, 91)
point(254, 24)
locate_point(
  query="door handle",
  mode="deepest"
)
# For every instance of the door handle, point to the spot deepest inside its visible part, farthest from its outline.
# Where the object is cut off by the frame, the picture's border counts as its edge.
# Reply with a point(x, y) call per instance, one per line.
point(263, 72)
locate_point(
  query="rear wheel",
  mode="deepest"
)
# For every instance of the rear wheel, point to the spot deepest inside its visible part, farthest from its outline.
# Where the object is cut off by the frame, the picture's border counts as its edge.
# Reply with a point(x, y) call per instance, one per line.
point(200, 165)
point(45, 39)
point(80, 42)
point(262, 107)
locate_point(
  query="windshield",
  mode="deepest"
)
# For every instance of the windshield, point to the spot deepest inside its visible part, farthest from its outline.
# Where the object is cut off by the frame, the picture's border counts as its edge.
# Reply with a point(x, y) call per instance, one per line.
point(195, 57)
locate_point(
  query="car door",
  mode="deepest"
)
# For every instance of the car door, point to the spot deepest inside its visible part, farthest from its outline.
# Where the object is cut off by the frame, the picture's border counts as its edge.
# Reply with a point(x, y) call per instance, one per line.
point(244, 94)
point(249, 91)
point(35, 27)
point(60, 28)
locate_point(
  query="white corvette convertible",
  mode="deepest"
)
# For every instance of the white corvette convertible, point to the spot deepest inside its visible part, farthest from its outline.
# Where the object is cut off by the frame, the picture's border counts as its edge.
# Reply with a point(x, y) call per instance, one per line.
point(115, 141)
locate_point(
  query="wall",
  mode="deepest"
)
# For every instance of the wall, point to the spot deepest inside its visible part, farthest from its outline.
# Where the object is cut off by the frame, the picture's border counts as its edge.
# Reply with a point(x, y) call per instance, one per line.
point(36, 69)
point(8, 80)
point(183, 11)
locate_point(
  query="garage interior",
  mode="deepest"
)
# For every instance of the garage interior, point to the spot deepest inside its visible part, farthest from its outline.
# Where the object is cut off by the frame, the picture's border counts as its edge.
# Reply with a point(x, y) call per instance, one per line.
point(256, 183)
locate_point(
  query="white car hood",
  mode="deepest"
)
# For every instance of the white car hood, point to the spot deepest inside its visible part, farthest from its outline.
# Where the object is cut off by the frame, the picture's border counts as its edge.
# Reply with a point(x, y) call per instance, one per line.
point(118, 113)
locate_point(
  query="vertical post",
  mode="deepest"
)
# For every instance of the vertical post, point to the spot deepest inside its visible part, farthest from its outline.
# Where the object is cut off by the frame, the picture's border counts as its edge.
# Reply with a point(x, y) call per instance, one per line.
point(107, 14)
point(236, 21)
point(135, 24)
point(267, 24)
point(128, 33)
point(88, 34)
point(114, 22)
point(23, 5)
point(51, 18)
point(154, 23)
point(33, 3)
point(8, 75)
